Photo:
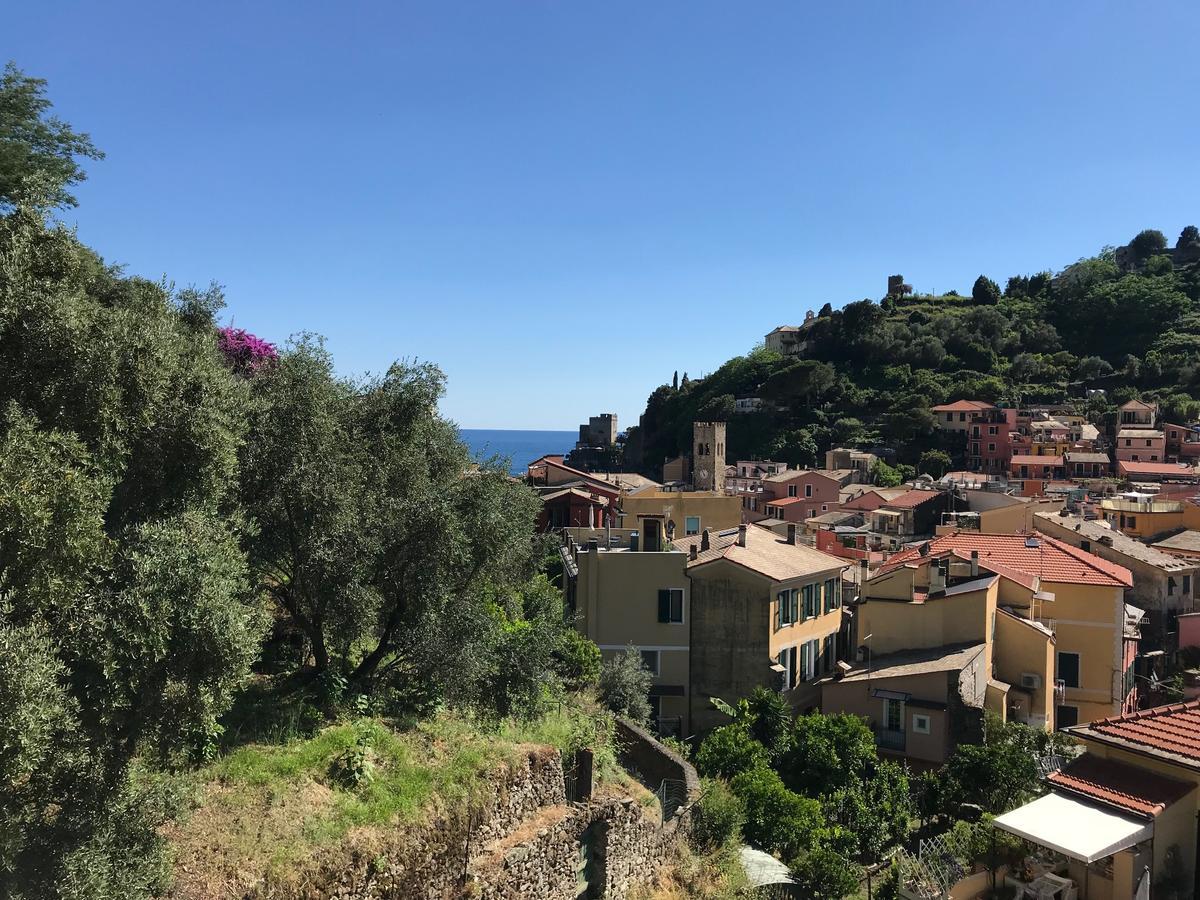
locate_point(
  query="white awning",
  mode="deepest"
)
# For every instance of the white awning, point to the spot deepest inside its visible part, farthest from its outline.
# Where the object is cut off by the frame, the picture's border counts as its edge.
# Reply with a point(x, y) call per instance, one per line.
point(1075, 828)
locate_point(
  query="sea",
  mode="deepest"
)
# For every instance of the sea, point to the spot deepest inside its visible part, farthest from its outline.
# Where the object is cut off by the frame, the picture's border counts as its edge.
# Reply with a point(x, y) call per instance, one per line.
point(520, 448)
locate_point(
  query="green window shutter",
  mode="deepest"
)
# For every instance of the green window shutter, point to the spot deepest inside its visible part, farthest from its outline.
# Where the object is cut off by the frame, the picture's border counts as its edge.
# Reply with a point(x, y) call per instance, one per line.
point(803, 662)
point(779, 601)
point(664, 606)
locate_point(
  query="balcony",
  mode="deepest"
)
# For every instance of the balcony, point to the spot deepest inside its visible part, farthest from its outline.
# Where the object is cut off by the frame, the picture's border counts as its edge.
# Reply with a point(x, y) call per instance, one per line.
point(889, 739)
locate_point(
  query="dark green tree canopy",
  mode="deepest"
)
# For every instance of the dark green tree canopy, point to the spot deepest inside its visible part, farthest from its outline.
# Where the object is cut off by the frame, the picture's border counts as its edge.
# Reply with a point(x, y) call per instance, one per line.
point(39, 153)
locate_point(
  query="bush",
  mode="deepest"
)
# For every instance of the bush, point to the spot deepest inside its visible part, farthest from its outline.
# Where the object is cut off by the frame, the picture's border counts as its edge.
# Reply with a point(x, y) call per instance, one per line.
point(777, 820)
point(728, 751)
point(625, 686)
point(825, 874)
point(718, 816)
point(577, 660)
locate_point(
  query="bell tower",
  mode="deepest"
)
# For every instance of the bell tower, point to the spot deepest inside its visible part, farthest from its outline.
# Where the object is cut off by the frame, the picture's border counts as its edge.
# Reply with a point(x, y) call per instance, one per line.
point(708, 456)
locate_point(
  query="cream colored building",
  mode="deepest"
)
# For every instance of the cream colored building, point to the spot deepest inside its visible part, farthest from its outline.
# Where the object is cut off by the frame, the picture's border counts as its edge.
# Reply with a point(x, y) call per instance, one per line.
point(679, 514)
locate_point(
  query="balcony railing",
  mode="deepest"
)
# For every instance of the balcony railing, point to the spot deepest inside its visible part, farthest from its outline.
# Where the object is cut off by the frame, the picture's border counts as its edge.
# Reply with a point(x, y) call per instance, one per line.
point(889, 739)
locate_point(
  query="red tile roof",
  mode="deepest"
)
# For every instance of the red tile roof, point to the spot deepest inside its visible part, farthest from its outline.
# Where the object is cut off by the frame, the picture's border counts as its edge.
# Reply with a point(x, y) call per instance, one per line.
point(1121, 785)
point(1171, 731)
point(910, 499)
point(1037, 554)
point(1021, 459)
point(963, 406)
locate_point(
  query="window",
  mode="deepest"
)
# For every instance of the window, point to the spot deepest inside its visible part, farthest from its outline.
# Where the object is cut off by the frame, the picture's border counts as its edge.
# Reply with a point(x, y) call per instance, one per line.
point(1066, 716)
point(808, 490)
point(1085, 546)
point(785, 608)
point(791, 490)
point(920, 724)
point(787, 659)
point(1170, 586)
point(949, 417)
point(1128, 442)
point(991, 448)
point(650, 661)
point(691, 525)
point(810, 596)
point(1068, 668)
point(824, 507)
point(893, 715)
point(992, 429)
point(1187, 584)
point(811, 513)
point(962, 417)
point(833, 594)
point(810, 653)
point(1149, 443)
point(670, 605)
point(1131, 521)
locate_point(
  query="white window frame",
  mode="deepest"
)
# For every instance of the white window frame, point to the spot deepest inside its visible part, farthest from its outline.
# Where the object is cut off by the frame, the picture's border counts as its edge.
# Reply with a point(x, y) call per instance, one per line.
point(687, 529)
point(921, 723)
point(657, 669)
point(807, 491)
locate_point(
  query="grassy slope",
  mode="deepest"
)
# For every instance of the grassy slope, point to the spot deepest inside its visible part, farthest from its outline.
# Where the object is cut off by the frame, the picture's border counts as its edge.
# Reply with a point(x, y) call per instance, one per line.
point(273, 813)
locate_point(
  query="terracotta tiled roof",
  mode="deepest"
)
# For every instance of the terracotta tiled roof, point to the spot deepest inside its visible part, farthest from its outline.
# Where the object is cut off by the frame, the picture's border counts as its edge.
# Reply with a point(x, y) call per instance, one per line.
point(1172, 732)
point(1021, 459)
point(1117, 784)
point(766, 553)
point(911, 499)
point(1032, 554)
point(785, 501)
point(963, 406)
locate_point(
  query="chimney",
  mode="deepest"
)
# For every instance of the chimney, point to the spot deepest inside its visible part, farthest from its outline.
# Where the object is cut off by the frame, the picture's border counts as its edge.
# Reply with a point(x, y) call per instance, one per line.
point(937, 578)
point(704, 545)
point(974, 563)
point(741, 535)
point(692, 552)
point(593, 546)
point(791, 538)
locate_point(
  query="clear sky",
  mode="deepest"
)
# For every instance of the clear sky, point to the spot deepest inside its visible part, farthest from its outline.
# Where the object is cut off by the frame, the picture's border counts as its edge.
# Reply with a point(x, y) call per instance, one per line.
point(561, 203)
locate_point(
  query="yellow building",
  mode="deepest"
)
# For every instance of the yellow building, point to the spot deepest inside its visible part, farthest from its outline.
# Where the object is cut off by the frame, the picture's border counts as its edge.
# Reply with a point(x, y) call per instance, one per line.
point(1143, 516)
point(621, 597)
point(1122, 818)
point(1066, 592)
point(680, 513)
point(766, 611)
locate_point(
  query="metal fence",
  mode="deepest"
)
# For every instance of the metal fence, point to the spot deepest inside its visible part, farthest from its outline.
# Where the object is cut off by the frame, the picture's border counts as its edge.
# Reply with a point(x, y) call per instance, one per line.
point(672, 795)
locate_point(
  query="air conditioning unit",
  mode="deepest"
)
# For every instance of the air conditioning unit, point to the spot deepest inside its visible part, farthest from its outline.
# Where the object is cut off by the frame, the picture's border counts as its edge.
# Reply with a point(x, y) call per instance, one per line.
point(1031, 681)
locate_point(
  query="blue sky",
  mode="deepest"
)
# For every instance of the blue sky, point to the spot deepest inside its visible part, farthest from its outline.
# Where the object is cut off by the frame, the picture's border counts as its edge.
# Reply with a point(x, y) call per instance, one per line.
point(562, 202)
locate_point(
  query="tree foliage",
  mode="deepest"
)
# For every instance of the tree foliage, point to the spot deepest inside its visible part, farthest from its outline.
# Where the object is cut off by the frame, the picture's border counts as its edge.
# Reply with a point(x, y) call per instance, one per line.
point(39, 153)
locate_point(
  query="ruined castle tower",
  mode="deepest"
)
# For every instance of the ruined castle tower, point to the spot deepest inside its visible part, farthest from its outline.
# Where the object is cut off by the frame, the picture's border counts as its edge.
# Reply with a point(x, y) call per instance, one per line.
point(708, 456)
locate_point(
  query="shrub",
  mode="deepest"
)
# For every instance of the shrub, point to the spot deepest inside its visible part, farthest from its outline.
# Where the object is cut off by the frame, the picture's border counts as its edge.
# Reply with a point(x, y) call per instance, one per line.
point(777, 820)
point(718, 816)
point(625, 686)
point(577, 660)
point(825, 874)
point(728, 751)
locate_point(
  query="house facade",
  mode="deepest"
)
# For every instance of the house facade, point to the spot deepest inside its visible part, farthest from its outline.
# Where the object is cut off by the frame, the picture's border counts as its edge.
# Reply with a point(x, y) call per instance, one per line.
point(799, 494)
point(766, 612)
point(1076, 596)
point(1141, 445)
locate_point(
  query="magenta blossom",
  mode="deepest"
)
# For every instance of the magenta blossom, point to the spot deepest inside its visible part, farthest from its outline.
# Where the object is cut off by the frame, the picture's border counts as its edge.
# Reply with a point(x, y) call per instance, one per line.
point(246, 353)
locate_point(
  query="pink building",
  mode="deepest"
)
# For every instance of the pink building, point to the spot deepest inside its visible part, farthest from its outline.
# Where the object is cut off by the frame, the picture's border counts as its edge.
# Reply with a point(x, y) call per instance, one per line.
point(990, 440)
point(1183, 442)
point(798, 495)
point(1141, 445)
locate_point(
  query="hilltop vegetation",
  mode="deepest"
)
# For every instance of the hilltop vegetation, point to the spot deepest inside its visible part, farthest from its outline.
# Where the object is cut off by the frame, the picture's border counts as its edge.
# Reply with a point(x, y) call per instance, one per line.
point(186, 511)
point(1126, 321)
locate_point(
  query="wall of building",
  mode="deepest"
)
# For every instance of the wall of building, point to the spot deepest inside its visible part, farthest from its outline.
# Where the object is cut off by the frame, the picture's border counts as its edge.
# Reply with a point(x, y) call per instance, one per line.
point(616, 595)
point(855, 698)
point(1089, 620)
point(1021, 648)
point(717, 512)
point(895, 626)
point(730, 635)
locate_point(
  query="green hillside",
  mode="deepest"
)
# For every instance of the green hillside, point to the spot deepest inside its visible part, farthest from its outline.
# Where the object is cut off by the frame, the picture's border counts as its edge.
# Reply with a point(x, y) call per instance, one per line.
point(1126, 321)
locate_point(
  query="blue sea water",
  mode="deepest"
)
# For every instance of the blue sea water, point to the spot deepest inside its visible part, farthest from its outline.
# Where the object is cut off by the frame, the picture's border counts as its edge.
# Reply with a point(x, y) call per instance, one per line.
point(521, 447)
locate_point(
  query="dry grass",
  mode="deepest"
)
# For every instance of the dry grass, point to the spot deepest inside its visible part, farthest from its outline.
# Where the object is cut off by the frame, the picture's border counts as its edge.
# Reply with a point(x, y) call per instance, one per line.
point(269, 816)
